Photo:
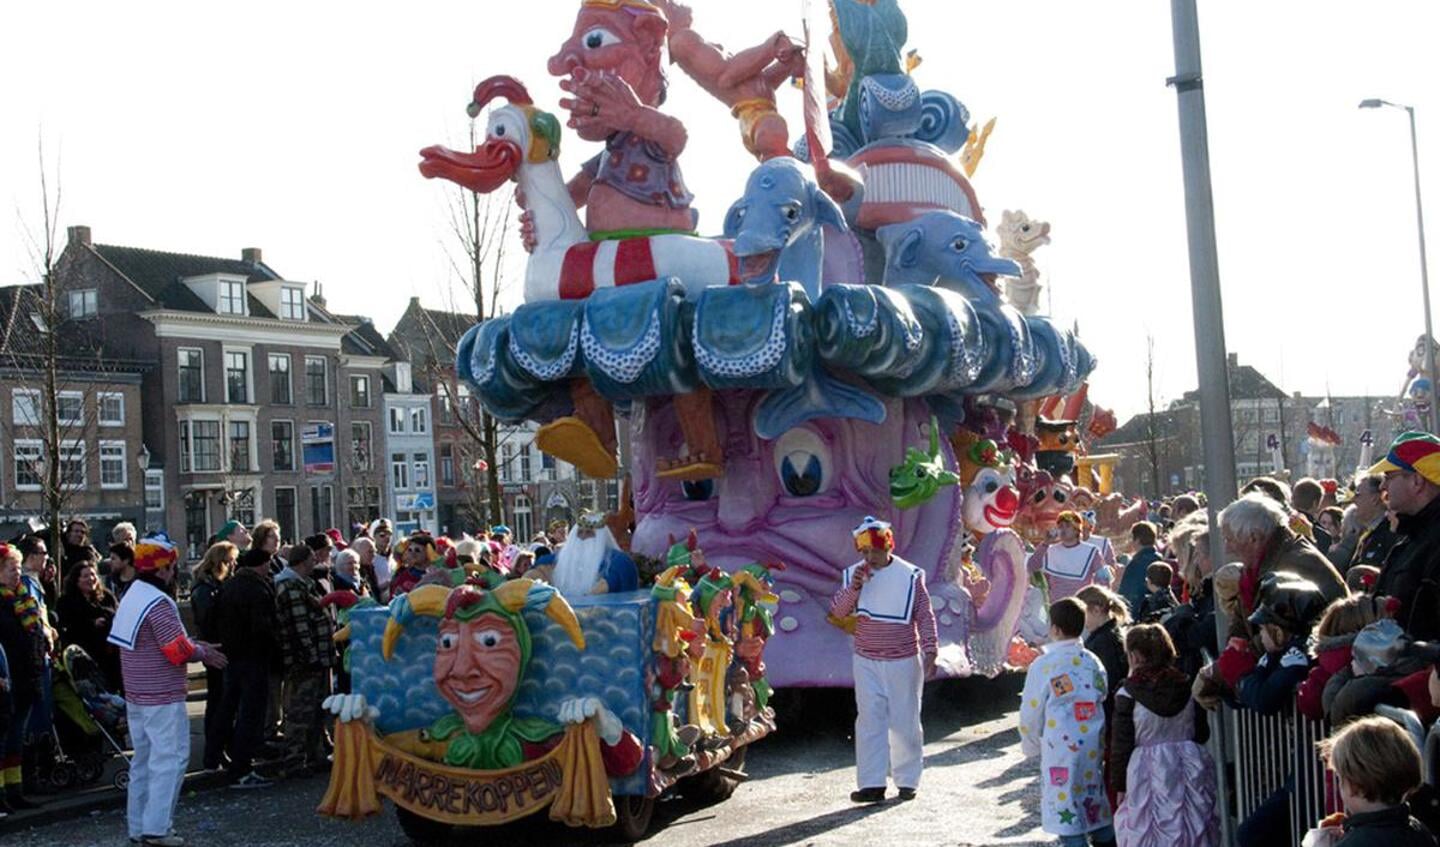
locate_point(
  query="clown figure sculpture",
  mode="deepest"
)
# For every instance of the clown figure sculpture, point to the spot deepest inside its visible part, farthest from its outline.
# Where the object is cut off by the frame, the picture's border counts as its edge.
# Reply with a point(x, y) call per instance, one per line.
point(990, 506)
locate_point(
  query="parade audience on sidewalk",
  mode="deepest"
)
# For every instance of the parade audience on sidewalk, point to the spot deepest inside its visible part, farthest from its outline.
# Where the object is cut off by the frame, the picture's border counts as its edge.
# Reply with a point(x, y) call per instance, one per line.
point(85, 611)
point(305, 632)
point(219, 561)
point(1062, 721)
point(245, 619)
point(24, 640)
point(1162, 776)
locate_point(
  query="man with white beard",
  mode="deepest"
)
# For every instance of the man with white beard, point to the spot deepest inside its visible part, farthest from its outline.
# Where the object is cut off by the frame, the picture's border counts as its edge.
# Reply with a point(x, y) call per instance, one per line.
point(590, 562)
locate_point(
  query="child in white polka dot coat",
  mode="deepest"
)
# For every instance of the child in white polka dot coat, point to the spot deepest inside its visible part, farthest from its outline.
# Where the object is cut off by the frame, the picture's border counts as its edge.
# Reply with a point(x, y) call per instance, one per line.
point(1062, 720)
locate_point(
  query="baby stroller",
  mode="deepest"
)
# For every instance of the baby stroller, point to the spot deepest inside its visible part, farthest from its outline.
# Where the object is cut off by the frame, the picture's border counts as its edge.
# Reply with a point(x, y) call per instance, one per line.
point(90, 724)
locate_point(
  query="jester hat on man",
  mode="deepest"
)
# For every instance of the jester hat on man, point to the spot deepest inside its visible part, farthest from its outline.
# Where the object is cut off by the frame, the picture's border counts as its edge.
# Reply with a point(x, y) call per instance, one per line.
point(873, 532)
point(1418, 452)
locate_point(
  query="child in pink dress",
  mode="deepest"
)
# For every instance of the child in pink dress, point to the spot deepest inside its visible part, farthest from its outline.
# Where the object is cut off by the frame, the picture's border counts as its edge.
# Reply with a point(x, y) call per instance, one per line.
point(1163, 777)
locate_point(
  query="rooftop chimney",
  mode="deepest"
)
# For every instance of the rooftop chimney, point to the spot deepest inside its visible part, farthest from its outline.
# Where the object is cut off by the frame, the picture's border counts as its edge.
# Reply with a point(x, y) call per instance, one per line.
point(79, 235)
point(251, 255)
point(1233, 359)
point(318, 298)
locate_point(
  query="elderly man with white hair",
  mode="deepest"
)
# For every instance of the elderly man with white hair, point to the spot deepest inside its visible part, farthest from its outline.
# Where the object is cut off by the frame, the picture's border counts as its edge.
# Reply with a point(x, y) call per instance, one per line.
point(1258, 535)
point(345, 570)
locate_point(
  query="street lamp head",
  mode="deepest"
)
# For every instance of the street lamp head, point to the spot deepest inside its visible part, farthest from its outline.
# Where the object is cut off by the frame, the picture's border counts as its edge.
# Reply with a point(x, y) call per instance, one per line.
point(143, 458)
point(1372, 103)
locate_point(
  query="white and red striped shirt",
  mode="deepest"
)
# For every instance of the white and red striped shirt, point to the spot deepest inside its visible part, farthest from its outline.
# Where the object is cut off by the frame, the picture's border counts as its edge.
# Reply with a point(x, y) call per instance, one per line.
point(905, 629)
point(153, 665)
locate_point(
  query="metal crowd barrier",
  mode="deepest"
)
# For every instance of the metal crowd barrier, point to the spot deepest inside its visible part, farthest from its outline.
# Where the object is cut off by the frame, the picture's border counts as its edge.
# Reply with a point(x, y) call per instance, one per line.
point(1267, 753)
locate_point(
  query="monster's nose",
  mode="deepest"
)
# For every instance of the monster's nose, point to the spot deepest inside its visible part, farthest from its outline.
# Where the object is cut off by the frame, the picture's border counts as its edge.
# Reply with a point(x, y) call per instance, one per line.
point(1007, 500)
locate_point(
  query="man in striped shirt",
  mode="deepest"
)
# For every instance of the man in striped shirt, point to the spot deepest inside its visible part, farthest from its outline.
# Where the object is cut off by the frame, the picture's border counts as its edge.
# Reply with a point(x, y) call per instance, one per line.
point(895, 650)
point(154, 652)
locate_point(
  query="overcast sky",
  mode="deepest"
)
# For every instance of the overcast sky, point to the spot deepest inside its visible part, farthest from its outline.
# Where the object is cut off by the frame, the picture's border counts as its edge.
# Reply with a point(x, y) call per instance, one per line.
point(205, 128)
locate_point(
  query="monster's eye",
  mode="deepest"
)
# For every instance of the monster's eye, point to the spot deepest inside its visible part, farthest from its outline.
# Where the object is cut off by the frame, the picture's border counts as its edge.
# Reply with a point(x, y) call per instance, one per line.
point(447, 641)
point(920, 472)
point(698, 490)
point(487, 638)
point(599, 37)
point(503, 125)
point(1060, 496)
point(791, 212)
point(1039, 497)
point(991, 487)
point(802, 461)
point(1025, 228)
point(959, 244)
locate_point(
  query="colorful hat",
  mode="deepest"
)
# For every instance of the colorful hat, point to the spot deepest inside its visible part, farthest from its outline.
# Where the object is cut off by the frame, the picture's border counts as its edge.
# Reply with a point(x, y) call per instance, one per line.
point(152, 554)
point(336, 539)
point(873, 532)
point(680, 551)
point(591, 520)
point(1418, 452)
point(499, 529)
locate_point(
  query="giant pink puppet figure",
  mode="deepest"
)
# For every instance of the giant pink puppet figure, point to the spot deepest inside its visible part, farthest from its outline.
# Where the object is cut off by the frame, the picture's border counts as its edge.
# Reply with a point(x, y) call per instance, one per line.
point(745, 81)
point(611, 65)
point(795, 499)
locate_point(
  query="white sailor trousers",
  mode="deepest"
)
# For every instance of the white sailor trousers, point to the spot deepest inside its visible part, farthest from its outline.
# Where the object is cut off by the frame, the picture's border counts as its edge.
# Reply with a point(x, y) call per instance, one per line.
point(888, 737)
point(161, 738)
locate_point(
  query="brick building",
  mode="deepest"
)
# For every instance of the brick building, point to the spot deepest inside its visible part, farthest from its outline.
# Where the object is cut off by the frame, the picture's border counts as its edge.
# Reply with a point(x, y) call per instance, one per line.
point(104, 464)
point(255, 404)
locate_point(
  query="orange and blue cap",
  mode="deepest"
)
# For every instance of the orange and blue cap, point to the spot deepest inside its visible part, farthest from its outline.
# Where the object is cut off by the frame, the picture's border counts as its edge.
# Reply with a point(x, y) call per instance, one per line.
point(1417, 452)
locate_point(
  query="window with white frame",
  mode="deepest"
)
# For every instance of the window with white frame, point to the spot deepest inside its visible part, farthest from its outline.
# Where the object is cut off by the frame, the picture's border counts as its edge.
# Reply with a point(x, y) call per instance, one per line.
point(239, 446)
point(397, 420)
point(113, 473)
point(72, 464)
point(154, 491)
point(316, 381)
point(522, 520)
point(237, 376)
point(292, 303)
point(422, 470)
point(110, 408)
point(199, 446)
point(447, 464)
point(524, 462)
point(360, 392)
point(70, 407)
point(322, 506)
point(287, 513)
point(507, 455)
point(419, 419)
point(84, 303)
point(231, 299)
point(25, 407)
point(28, 455)
point(192, 375)
point(399, 472)
point(280, 379)
point(282, 439)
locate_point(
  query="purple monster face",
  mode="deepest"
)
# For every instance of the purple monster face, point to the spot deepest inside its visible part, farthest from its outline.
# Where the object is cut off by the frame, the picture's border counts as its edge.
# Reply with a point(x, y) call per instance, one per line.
point(796, 500)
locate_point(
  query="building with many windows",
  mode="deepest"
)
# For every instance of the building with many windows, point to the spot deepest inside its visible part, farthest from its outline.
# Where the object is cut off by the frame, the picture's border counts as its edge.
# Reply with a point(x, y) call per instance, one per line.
point(409, 451)
point(258, 400)
point(105, 473)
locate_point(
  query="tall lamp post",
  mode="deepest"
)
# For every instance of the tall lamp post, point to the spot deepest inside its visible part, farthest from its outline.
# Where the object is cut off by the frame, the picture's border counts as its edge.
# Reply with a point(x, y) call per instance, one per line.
point(1375, 103)
point(142, 458)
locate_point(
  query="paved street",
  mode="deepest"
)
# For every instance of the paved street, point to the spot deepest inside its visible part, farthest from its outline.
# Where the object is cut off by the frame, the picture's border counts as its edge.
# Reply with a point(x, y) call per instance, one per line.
point(977, 791)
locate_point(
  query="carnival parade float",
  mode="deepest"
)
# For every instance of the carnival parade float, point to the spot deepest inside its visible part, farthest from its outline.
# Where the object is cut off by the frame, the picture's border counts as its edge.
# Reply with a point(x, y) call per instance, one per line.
point(851, 344)
point(772, 377)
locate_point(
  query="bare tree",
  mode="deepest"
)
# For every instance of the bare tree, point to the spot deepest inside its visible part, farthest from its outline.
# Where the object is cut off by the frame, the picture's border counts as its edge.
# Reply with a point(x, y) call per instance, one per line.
point(481, 231)
point(53, 363)
point(1152, 435)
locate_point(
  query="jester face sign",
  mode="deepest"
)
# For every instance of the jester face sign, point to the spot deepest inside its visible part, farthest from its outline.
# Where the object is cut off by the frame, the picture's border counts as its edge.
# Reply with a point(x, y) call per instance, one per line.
point(478, 663)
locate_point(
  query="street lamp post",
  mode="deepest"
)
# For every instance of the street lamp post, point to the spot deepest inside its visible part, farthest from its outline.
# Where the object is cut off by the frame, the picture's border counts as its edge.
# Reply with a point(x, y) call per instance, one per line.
point(1375, 103)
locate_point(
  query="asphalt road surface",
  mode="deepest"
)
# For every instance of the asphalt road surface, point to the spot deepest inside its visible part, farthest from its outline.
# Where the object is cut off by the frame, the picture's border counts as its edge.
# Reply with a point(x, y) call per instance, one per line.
point(976, 791)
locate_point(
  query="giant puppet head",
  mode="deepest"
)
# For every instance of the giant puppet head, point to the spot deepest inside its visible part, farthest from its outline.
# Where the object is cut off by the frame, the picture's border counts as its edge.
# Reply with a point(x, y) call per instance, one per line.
point(1042, 498)
point(991, 498)
point(484, 644)
point(794, 499)
point(619, 37)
